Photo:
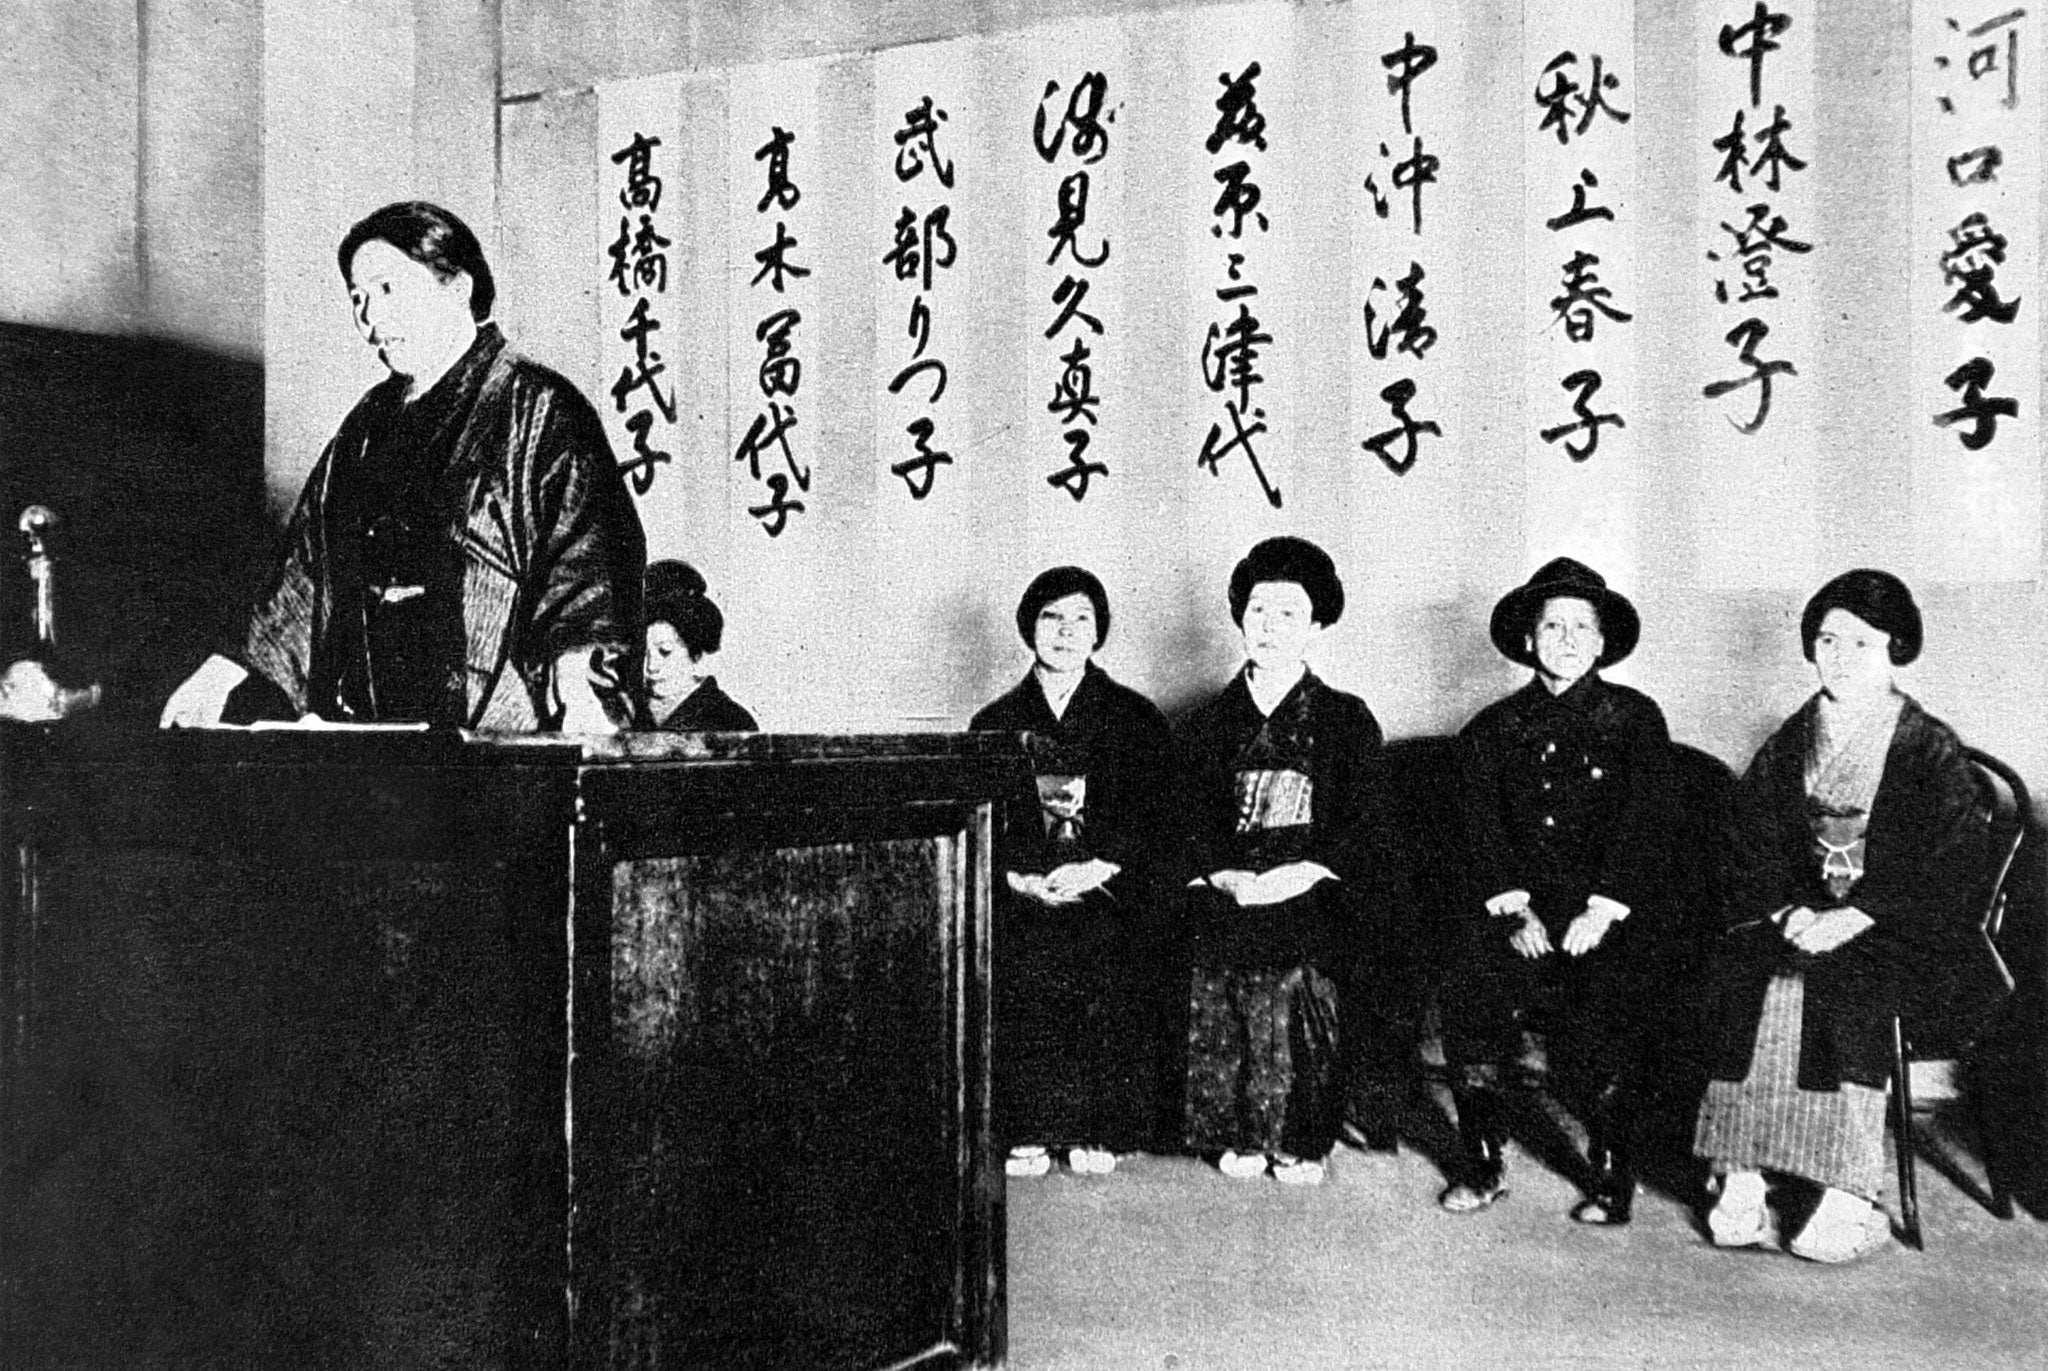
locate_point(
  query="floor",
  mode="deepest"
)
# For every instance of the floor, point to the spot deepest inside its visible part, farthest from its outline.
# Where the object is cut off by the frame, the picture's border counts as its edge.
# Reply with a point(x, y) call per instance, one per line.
point(1168, 1266)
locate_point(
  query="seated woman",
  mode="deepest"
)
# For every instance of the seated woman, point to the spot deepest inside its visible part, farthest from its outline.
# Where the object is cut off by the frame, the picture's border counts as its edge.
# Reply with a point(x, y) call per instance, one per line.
point(1078, 960)
point(1284, 792)
point(1563, 782)
point(684, 632)
point(1856, 841)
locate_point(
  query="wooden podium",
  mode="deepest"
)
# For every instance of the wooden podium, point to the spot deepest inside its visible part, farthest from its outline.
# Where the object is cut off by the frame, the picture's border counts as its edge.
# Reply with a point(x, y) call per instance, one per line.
point(423, 1050)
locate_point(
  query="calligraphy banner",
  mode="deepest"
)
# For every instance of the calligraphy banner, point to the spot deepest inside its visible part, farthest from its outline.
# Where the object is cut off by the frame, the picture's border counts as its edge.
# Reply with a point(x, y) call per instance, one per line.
point(1756, 488)
point(1584, 467)
point(1976, 178)
point(1239, 354)
point(650, 305)
point(1403, 172)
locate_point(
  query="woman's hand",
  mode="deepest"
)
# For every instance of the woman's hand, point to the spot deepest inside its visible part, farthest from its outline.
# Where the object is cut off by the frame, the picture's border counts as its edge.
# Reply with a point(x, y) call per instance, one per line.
point(199, 701)
point(1033, 886)
point(1817, 933)
point(1230, 882)
point(1284, 883)
point(578, 673)
point(1071, 881)
point(1531, 940)
point(1586, 932)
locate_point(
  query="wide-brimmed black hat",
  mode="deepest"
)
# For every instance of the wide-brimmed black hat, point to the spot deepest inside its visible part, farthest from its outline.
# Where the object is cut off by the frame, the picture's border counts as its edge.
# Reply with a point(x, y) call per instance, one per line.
point(1514, 618)
point(1290, 559)
point(1879, 599)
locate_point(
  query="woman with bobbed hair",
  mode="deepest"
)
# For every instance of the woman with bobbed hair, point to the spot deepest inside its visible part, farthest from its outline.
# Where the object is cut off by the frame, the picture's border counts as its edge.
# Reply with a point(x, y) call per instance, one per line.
point(684, 632)
point(1284, 799)
point(1856, 841)
point(1080, 936)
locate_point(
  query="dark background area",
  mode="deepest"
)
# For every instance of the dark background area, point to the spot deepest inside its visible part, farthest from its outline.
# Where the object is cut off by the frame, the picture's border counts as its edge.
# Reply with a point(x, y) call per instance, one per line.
point(151, 454)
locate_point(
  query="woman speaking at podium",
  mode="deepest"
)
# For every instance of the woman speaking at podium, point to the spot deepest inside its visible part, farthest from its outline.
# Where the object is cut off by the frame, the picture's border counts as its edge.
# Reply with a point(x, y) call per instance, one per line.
point(465, 551)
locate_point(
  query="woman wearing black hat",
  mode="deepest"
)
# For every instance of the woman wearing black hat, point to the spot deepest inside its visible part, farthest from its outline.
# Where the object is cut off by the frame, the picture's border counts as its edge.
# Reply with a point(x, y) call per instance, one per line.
point(1285, 796)
point(1856, 843)
point(1562, 786)
point(1078, 950)
point(684, 632)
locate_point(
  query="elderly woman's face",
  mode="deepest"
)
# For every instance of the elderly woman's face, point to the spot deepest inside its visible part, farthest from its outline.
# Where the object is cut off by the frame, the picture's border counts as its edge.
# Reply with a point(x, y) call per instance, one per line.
point(1063, 636)
point(1567, 640)
point(418, 323)
point(1852, 659)
point(1278, 625)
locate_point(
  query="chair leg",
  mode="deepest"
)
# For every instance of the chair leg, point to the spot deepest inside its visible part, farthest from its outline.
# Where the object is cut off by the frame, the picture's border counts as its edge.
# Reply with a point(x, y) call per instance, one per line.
point(1987, 1146)
point(1902, 1127)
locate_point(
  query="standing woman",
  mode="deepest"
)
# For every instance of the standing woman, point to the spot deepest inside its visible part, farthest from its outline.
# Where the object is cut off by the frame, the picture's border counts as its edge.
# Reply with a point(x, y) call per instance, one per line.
point(465, 551)
point(684, 632)
point(1284, 792)
point(1856, 843)
point(1565, 786)
point(1080, 939)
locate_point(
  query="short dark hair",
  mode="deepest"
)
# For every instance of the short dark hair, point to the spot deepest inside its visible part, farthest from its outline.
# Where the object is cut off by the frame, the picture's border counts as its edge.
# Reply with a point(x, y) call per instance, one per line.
point(1057, 583)
point(434, 238)
point(674, 595)
point(1289, 559)
point(1879, 599)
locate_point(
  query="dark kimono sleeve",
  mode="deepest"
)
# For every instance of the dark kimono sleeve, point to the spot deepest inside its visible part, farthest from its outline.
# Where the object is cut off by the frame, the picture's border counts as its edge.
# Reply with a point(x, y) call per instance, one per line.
point(1494, 869)
point(1633, 866)
point(1204, 754)
point(582, 582)
point(1764, 843)
point(276, 641)
point(1925, 842)
point(1141, 839)
point(1353, 843)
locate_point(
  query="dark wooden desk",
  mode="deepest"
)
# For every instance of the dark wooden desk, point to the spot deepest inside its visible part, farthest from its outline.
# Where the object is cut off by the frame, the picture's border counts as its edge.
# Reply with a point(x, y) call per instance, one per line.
point(348, 1050)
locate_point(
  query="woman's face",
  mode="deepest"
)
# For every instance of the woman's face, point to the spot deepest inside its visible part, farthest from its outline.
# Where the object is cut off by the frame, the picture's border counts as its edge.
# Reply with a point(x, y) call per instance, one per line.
point(1278, 626)
point(1063, 637)
point(1567, 640)
point(418, 323)
point(667, 665)
point(1852, 659)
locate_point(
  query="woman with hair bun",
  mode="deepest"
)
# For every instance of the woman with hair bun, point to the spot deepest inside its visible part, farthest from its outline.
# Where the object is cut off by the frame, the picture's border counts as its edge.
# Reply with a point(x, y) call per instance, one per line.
point(1285, 795)
point(1856, 843)
point(684, 632)
point(1080, 938)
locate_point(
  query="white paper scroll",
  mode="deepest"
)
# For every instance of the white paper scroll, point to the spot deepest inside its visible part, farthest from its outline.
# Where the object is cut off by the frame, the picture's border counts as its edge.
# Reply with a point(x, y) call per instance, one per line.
point(1582, 314)
point(1755, 378)
point(1976, 177)
point(647, 266)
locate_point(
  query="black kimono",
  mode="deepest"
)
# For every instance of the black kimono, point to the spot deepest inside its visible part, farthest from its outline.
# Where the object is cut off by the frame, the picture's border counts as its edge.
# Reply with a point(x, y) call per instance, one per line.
point(1564, 796)
point(445, 552)
point(1923, 857)
point(707, 709)
point(1302, 784)
point(1078, 1002)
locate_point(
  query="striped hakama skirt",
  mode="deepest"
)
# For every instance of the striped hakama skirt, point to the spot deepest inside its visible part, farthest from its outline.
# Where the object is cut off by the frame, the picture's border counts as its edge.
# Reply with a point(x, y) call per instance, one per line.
point(1765, 1122)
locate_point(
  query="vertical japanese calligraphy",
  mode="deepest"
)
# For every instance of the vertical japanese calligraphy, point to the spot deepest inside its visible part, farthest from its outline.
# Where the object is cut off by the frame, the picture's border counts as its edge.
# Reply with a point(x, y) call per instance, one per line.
point(1234, 137)
point(919, 181)
point(637, 214)
point(1399, 314)
point(1579, 279)
point(771, 447)
point(1073, 136)
point(1976, 182)
point(1756, 234)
